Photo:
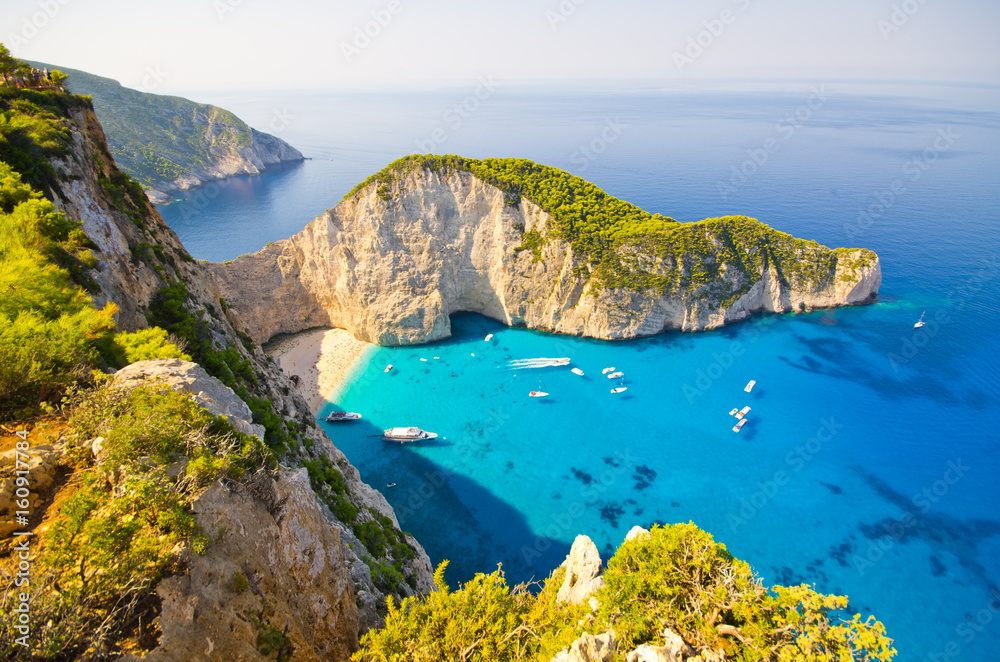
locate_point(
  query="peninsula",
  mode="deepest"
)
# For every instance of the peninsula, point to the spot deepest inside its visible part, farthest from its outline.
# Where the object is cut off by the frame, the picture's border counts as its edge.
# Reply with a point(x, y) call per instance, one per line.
point(531, 246)
point(169, 143)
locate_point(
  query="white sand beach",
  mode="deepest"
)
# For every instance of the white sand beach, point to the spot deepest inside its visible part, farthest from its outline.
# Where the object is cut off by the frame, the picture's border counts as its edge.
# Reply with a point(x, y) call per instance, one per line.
point(321, 358)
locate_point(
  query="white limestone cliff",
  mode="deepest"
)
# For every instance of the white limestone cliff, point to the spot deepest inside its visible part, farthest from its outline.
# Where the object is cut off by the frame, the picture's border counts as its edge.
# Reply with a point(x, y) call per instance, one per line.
point(392, 268)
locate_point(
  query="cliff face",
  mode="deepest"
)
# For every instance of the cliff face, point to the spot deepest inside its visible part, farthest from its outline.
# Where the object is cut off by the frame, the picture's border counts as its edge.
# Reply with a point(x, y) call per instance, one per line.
point(326, 601)
point(171, 144)
point(391, 264)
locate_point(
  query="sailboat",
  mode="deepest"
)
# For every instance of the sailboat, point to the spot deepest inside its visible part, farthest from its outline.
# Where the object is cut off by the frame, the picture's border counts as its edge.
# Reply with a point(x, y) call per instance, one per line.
point(539, 393)
point(920, 322)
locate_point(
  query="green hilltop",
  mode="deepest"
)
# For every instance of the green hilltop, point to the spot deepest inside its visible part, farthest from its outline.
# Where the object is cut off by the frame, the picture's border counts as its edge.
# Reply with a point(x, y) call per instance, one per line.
point(158, 139)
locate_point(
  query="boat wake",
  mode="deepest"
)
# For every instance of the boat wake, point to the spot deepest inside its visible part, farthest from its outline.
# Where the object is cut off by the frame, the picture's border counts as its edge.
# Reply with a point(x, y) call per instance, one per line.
point(541, 362)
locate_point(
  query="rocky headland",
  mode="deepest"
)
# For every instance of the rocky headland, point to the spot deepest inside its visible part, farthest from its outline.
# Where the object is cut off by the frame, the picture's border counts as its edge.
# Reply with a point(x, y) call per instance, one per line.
point(169, 143)
point(422, 241)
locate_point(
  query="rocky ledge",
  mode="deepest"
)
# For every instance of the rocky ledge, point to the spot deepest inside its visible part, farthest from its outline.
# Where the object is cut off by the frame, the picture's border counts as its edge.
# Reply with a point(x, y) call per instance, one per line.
point(398, 256)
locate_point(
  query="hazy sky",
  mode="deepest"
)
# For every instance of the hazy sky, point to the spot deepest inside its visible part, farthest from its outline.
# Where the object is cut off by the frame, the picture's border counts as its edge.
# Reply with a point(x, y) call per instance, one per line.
point(311, 44)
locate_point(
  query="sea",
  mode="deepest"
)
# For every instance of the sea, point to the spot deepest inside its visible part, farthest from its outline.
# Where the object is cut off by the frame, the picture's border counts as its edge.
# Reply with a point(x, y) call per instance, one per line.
point(870, 462)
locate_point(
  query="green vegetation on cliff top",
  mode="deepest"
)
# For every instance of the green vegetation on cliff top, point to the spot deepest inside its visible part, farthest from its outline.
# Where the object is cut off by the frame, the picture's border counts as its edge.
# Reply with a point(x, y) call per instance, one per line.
point(627, 247)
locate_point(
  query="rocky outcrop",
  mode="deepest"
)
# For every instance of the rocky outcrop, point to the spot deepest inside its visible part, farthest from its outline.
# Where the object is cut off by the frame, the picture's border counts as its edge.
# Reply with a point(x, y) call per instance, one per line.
point(583, 572)
point(590, 648)
point(391, 262)
point(582, 580)
point(300, 562)
point(301, 558)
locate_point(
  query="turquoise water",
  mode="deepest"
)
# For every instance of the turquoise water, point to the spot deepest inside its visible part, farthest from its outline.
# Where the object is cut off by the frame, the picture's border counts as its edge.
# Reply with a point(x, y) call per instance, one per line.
point(869, 463)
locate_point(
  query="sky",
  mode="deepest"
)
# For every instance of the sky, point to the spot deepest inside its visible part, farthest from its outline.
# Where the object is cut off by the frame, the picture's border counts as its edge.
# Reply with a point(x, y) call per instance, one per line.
point(220, 45)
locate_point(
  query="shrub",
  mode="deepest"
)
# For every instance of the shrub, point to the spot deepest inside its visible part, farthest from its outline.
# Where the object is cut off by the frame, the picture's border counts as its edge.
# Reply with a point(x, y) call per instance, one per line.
point(676, 577)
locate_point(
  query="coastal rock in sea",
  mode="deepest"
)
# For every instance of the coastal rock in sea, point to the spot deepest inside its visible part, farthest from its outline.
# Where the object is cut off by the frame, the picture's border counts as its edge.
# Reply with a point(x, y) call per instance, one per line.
point(590, 648)
point(393, 260)
point(583, 572)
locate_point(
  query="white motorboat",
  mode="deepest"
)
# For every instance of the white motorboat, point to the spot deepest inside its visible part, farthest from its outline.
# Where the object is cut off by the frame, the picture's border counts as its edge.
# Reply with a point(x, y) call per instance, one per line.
point(750, 385)
point(920, 322)
point(576, 371)
point(403, 435)
point(616, 375)
point(340, 416)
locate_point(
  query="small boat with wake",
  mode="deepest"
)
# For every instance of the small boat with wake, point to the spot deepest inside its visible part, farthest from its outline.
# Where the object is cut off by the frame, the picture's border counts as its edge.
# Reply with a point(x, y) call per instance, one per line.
point(341, 416)
point(920, 322)
point(403, 435)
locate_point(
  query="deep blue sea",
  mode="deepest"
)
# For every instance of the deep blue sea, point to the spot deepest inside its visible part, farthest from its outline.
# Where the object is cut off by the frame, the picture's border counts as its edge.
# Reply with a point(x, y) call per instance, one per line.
point(870, 462)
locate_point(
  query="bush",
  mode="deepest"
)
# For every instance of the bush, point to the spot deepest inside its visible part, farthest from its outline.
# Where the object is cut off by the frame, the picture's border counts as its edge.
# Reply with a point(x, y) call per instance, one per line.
point(676, 577)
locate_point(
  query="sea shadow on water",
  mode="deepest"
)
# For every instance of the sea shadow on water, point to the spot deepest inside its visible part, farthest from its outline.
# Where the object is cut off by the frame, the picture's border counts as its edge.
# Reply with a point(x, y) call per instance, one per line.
point(941, 532)
point(456, 518)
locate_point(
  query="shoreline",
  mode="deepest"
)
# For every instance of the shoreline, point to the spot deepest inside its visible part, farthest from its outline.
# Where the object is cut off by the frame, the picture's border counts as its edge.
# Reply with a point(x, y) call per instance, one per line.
point(322, 358)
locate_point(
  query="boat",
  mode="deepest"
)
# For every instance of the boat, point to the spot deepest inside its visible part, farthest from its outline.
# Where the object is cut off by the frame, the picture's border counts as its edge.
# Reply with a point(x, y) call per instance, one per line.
point(423, 359)
point(619, 389)
point(743, 412)
point(403, 435)
point(739, 426)
point(537, 394)
point(388, 368)
point(616, 375)
point(338, 416)
point(576, 371)
point(390, 484)
point(489, 337)
point(732, 412)
point(750, 385)
point(607, 370)
point(920, 322)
